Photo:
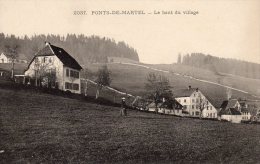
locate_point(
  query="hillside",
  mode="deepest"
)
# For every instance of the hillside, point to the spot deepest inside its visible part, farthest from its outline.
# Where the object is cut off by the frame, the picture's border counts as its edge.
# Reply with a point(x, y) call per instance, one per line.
point(85, 49)
point(132, 78)
point(41, 128)
point(221, 65)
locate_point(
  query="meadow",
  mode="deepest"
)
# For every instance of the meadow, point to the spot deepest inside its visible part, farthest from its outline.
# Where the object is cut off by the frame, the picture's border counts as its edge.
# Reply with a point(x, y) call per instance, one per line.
point(132, 79)
point(43, 128)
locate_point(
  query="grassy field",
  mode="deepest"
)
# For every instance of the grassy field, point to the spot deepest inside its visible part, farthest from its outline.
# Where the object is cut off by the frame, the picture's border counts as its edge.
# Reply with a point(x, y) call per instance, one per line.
point(132, 79)
point(41, 128)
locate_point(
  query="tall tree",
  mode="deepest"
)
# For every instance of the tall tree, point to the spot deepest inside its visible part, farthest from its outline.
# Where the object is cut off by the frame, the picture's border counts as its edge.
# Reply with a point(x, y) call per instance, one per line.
point(103, 79)
point(12, 50)
point(158, 87)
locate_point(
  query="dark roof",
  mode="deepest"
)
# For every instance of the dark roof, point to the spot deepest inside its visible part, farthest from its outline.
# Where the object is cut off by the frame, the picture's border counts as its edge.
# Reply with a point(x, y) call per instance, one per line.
point(171, 104)
point(228, 104)
point(228, 108)
point(65, 58)
point(229, 111)
point(224, 104)
point(234, 111)
point(184, 92)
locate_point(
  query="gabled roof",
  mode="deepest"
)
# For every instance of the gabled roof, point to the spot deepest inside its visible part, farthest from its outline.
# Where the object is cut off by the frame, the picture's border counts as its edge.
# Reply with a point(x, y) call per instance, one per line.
point(184, 92)
point(229, 111)
point(65, 58)
point(228, 104)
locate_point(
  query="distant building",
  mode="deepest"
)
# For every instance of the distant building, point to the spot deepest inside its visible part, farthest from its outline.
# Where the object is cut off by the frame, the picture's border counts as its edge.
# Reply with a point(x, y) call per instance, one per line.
point(59, 65)
point(112, 59)
point(168, 107)
point(5, 59)
point(230, 111)
point(250, 110)
point(194, 102)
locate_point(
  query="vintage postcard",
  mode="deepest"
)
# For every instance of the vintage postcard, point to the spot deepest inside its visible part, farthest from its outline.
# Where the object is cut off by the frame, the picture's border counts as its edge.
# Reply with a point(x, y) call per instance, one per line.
point(109, 81)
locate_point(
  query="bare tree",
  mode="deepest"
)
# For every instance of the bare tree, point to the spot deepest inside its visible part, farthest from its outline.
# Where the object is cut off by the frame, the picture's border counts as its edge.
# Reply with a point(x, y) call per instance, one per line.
point(12, 51)
point(158, 87)
point(203, 103)
point(103, 79)
point(86, 74)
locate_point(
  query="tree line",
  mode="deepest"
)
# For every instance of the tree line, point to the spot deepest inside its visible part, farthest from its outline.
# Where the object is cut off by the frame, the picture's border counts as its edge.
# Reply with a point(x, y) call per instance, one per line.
point(221, 65)
point(85, 49)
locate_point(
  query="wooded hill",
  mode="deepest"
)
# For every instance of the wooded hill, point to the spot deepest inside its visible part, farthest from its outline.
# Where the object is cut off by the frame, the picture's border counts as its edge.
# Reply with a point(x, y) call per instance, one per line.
point(221, 65)
point(86, 49)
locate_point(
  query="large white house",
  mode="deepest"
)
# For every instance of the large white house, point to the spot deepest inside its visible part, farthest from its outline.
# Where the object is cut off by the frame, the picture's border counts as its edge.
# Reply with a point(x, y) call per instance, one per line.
point(194, 102)
point(58, 65)
point(4, 58)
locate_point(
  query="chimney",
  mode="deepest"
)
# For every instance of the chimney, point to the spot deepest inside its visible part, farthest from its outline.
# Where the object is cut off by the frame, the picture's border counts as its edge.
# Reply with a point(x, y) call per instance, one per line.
point(189, 87)
point(47, 43)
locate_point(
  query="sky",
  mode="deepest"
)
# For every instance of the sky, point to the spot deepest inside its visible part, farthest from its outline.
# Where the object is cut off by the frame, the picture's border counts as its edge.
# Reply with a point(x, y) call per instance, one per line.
point(223, 28)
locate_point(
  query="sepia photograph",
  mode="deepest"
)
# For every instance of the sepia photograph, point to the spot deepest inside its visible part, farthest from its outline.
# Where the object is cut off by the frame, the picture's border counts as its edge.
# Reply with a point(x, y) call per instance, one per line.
point(109, 81)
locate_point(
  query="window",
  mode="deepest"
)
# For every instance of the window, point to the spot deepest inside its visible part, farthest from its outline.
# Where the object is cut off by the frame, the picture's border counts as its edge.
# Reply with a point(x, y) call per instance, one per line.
point(197, 100)
point(44, 59)
point(75, 86)
point(185, 100)
point(67, 72)
point(184, 106)
point(68, 85)
point(193, 100)
point(192, 106)
point(71, 86)
point(194, 95)
point(74, 74)
point(210, 107)
point(50, 60)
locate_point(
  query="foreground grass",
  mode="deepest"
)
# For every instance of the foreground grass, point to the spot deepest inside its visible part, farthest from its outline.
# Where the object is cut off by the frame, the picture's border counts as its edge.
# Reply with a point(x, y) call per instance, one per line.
point(40, 128)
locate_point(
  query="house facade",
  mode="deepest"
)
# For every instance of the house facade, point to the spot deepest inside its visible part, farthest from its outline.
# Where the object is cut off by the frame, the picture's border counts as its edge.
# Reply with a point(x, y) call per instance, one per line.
point(195, 103)
point(250, 109)
point(4, 58)
point(53, 64)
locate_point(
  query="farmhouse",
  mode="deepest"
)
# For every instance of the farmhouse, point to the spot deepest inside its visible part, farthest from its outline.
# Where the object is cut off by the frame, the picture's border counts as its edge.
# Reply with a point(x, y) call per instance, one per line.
point(167, 107)
point(230, 111)
point(53, 67)
point(4, 58)
point(194, 102)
